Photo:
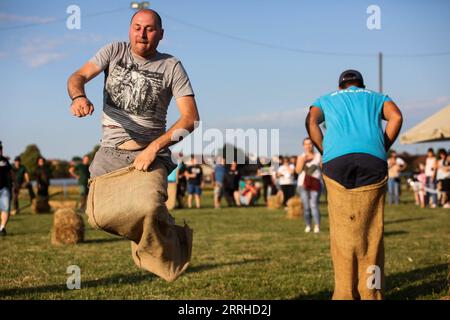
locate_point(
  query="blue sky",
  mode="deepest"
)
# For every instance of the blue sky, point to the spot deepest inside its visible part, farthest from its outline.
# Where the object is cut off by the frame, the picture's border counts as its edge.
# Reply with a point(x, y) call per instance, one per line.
point(244, 59)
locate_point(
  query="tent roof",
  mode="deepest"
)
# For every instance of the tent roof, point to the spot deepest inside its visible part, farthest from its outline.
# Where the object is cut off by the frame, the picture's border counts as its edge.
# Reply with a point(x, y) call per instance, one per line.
point(434, 128)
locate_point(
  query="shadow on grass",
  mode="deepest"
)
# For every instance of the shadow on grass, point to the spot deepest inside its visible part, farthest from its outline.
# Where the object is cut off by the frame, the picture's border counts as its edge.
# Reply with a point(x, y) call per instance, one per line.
point(118, 279)
point(90, 241)
point(402, 286)
point(13, 233)
point(404, 220)
point(61, 288)
point(394, 233)
point(321, 295)
point(417, 283)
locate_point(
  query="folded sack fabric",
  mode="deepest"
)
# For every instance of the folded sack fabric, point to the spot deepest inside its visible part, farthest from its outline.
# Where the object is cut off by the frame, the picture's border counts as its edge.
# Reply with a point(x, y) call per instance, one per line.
point(131, 204)
point(356, 235)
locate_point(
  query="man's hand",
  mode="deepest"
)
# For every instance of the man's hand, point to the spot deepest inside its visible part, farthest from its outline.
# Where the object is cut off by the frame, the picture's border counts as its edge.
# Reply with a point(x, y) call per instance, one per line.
point(314, 118)
point(75, 86)
point(82, 107)
point(145, 159)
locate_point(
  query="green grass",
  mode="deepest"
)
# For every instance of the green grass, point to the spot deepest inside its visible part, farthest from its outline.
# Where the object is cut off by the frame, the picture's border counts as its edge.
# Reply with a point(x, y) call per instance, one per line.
point(238, 253)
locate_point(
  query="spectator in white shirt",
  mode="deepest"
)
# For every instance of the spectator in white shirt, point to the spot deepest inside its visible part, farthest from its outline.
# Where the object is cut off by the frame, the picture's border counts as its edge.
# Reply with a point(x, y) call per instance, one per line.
point(285, 175)
point(395, 166)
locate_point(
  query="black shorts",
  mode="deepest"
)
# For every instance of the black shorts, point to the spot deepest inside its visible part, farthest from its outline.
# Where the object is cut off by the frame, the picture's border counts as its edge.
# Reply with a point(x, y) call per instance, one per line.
point(355, 170)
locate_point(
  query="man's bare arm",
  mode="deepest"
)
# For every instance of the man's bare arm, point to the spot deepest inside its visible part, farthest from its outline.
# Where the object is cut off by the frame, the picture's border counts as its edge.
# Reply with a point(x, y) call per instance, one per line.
point(75, 86)
point(312, 122)
point(188, 116)
point(394, 118)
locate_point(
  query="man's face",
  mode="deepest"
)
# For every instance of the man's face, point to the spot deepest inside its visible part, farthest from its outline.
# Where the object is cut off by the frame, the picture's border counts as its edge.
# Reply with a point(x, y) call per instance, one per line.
point(41, 162)
point(85, 160)
point(17, 164)
point(145, 34)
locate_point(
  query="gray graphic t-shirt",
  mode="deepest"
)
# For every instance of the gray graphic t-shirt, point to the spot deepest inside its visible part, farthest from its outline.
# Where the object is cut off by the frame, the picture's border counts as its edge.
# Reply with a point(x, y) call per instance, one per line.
point(137, 93)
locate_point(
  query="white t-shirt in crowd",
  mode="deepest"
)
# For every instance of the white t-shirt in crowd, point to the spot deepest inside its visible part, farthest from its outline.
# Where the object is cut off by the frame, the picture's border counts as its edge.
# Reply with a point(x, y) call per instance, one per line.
point(441, 173)
point(286, 176)
point(429, 166)
point(394, 171)
point(316, 174)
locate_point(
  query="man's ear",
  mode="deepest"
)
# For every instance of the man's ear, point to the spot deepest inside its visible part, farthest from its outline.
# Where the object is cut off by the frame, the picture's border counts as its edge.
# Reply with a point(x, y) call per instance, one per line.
point(162, 35)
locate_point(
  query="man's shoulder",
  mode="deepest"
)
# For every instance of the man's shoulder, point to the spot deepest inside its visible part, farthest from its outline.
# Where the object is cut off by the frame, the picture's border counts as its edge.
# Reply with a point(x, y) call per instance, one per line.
point(168, 58)
point(115, 47)
point(118, 44)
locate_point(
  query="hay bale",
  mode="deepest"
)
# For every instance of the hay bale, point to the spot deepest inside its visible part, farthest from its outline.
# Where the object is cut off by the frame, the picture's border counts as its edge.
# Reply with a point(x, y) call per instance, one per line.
point(294, 208)
point(40, 205)
point(275, 202)
point(58, 204)
point(68, 227)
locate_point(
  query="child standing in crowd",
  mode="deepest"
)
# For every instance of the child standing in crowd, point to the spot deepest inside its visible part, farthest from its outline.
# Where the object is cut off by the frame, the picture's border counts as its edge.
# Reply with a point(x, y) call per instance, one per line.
point(418, 185)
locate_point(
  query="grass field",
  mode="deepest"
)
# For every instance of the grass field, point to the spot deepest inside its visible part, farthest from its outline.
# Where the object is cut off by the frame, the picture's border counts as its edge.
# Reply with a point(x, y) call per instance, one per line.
point(238, 253)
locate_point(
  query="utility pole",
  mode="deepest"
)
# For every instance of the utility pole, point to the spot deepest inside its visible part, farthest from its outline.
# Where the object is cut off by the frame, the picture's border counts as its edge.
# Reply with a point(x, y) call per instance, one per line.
point(380, 72)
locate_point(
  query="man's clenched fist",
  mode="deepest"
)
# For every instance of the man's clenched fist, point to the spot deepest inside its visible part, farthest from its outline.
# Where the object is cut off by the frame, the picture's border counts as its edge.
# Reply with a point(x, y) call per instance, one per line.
point(82, 107)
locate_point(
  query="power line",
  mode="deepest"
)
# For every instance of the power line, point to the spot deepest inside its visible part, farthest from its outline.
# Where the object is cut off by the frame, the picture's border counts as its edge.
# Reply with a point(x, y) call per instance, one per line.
point(297, 50)
point(417, 55)
point(263, 44)
point(243, 40)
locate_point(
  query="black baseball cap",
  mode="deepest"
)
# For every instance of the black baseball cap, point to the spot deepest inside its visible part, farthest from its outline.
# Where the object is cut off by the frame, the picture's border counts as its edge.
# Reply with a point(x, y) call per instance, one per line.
point(350, 75)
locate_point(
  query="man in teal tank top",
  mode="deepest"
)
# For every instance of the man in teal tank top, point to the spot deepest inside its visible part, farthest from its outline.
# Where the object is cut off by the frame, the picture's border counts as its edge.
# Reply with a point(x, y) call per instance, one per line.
point(354, 150)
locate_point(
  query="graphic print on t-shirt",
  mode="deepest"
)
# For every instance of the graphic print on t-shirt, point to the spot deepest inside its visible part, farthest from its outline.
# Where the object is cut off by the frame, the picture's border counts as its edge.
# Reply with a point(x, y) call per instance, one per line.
point(133, 90)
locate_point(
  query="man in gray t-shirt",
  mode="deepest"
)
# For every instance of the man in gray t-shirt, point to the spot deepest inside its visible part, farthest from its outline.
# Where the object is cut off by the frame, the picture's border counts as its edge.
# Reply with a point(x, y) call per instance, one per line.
point(139, 85)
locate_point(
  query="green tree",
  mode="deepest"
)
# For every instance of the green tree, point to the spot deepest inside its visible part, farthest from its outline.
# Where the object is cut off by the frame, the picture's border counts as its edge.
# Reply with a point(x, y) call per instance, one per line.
point(29, 158)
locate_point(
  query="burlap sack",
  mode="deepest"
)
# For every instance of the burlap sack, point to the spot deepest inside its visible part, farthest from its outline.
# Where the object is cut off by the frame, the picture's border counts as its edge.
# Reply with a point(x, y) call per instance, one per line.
point(172, 195)
point(294, 208)
point(131, 204)
point(356, 235)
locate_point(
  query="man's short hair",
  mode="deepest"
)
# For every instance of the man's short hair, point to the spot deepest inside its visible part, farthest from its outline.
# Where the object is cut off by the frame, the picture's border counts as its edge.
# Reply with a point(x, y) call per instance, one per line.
point(17, 159)
point(158, 17)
